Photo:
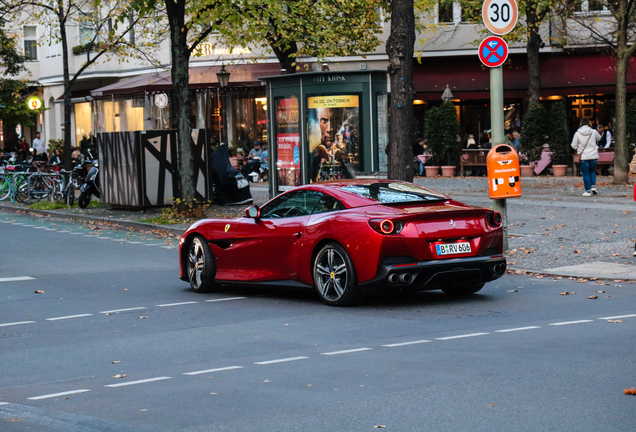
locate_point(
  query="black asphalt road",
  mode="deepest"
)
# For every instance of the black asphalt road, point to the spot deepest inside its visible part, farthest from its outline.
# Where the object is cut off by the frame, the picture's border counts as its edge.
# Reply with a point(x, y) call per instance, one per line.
point(266, 360)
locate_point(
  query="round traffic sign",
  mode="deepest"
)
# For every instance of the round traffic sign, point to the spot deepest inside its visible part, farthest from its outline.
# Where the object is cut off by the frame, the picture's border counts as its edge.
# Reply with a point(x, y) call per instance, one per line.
point(500, 16)
point(493, 51)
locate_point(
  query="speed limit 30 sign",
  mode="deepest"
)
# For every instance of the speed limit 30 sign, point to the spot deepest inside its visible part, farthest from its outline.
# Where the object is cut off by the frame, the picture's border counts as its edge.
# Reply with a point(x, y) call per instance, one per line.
point(500, 16)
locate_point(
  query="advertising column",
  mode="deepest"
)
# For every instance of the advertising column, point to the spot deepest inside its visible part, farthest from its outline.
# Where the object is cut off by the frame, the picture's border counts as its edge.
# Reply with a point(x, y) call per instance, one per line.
point(287, 143)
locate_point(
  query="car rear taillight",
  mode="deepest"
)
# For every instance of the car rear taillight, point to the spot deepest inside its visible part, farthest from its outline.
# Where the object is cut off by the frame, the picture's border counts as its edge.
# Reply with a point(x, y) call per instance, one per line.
point(386, 226)
point(494, 219)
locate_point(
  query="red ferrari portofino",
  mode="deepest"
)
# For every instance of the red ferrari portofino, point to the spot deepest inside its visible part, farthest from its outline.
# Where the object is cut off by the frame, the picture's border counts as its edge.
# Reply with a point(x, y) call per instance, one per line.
point(347, 239)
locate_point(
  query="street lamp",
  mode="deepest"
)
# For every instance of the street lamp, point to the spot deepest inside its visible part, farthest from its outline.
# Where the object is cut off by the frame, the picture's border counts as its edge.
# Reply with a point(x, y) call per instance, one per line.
point(224, 78)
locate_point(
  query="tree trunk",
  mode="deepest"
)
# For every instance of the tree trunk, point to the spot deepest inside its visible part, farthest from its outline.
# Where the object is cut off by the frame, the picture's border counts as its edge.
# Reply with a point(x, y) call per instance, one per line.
point(399, 47)
point(68, 105)
point(621, 149)
point(532, 50)
point(181, 95)
point(286, 58)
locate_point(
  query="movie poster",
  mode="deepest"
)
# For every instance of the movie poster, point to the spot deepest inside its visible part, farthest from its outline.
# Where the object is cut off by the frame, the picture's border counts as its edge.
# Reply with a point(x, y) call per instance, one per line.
point(334, 131)
point(287, 142)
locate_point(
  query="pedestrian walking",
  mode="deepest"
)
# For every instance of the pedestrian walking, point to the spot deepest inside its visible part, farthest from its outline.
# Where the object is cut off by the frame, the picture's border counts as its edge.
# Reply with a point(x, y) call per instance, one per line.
point(584, 143)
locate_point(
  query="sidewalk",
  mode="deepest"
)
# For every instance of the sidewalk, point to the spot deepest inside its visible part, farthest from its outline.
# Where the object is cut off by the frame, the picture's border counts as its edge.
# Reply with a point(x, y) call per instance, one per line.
point(552, 228)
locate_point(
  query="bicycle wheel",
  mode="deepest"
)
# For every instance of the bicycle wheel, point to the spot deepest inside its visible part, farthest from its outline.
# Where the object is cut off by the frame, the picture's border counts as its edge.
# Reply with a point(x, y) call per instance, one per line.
point(69, 194)
point(56, 194)
point(22, 193)
point(38, 188)
point(5, 188)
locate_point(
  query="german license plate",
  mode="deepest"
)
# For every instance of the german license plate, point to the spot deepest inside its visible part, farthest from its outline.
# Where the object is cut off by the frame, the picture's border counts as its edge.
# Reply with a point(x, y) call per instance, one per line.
point(453, 248)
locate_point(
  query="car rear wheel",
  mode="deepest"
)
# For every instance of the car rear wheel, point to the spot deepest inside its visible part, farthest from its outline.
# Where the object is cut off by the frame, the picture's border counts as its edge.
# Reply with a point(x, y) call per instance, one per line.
point(335, 277)
point(463, 290)
point(200, 265)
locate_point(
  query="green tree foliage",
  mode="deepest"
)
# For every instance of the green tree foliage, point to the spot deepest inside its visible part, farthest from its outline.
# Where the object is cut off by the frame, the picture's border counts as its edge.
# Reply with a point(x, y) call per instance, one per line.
point(534, 131)
point(440, 131)
point(11, 61)
point(13, 109)
point(295, 28)
point(559, 134)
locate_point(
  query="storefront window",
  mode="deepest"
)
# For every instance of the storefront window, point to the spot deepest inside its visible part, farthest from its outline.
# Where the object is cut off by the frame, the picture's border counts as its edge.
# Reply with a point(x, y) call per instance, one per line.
point(83, 121)
point(334, 136)
point(287, 130)
point(248, 117)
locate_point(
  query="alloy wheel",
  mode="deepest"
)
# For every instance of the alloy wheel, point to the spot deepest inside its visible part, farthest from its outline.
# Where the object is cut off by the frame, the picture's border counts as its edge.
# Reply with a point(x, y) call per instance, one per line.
point(332, 275)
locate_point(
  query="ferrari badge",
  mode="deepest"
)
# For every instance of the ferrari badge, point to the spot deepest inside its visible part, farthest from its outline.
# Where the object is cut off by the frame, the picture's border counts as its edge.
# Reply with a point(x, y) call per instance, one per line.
point(227, 227)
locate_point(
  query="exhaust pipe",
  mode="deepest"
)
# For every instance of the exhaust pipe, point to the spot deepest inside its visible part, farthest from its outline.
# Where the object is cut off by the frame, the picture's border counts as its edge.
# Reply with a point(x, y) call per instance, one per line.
point(394, 278)
point(406, 278)
point(498, 269)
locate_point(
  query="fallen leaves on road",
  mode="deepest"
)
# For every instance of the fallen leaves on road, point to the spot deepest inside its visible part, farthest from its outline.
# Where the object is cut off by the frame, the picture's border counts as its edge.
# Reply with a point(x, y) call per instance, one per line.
point(39, 292)
point(120, 376)
point(492, 405)
point(143, 317)
point(13, 420)
point(540, 277)
point(614, 321)
point(115, 362)
point(593, 297)
point(618, 280)
point(379, 427)
point(266, 380)
point(576, 251)
point(568, 292)
point(630, 391)
point(601, 291)
point(513, 291)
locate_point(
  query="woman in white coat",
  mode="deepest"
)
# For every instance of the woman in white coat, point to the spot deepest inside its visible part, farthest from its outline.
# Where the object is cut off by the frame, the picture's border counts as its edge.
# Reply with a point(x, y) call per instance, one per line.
point(584, 143)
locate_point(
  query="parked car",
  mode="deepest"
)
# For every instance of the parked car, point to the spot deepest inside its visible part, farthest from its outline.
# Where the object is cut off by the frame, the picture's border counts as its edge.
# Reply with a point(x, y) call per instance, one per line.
point(349, 238)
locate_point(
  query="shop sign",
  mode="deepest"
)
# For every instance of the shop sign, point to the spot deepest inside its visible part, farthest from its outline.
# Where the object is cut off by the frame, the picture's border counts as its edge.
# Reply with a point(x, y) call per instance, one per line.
point(161, 100)
point(206, 49)
point(329, 78)
point(34, 103)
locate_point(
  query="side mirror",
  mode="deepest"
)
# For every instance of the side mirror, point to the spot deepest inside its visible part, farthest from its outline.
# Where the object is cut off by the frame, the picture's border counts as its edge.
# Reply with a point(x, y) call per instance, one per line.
point(253, 212)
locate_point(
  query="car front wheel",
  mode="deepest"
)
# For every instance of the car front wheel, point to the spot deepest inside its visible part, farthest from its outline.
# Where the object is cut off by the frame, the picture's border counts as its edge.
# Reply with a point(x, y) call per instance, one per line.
point(200, 265)
point(335, 277)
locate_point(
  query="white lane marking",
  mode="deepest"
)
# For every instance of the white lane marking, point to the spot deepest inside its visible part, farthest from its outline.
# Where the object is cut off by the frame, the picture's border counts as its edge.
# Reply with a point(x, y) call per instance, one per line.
point(63, 231)
point(166, 247)
point(225, 299)
point(105, 238)
point(346, 351)
point(405, 343)
point(153, 244)
point(281, 360)
point(176, 304)
point(213, 370)
point(16, 279)
point(134, 242)
point(90, 235)
point(39, 227)
point(124, 310)
point(18, 223)
point(50, 229)
point(618, 317)
point(4, 403)
point(143, 381)
point(28, 225)
point(68, 317)
point(570, 322)
point(517, 329)
point(52, 395)
point(461, 336)
point(74, 233)
point(17, 323)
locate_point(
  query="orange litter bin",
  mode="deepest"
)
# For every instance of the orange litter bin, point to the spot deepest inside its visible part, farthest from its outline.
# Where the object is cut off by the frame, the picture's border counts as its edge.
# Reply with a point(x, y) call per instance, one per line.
point(503, 172)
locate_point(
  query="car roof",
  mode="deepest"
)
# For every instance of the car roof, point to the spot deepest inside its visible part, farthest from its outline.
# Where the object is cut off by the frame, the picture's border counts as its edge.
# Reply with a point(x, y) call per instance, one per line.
point(350, 199)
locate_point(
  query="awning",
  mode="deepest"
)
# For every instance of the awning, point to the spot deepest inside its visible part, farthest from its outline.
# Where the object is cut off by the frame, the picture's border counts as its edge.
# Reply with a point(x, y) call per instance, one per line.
point(201, 77)
point(561, 74)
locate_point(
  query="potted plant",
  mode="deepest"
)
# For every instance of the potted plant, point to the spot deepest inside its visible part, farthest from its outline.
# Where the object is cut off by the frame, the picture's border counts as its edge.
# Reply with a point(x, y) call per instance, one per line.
point(534, 128)
point(558, 139)
point(440, 130)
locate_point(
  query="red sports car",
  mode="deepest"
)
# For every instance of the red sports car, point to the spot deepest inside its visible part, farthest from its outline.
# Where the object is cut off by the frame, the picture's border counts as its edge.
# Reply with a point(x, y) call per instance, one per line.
point(347, 239)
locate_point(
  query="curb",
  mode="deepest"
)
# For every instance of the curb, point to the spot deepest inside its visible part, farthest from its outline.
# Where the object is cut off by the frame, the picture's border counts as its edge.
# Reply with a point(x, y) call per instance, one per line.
point(122, 222)
point(575, 275)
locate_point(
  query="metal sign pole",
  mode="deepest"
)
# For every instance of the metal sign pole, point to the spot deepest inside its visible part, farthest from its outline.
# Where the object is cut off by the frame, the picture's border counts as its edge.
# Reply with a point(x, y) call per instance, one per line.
point(498, 137)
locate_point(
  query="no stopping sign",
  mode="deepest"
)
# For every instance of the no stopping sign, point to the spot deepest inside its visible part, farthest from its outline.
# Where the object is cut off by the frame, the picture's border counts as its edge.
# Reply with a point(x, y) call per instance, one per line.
point(493, 51)
point(500, 16)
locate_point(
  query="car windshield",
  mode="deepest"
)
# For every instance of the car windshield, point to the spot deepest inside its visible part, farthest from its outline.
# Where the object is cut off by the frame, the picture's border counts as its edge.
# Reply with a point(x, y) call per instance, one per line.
point(392, 193)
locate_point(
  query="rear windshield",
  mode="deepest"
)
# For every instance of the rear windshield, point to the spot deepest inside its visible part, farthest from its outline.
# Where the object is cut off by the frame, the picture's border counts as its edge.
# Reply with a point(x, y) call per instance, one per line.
point(393, 193)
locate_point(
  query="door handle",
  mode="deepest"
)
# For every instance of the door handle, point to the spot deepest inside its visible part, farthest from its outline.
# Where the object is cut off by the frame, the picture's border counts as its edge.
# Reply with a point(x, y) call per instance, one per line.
point(297, 235)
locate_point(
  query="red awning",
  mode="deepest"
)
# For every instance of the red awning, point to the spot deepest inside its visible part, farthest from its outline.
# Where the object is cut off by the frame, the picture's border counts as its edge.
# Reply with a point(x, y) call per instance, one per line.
point(562, 74)
point(201, 77)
